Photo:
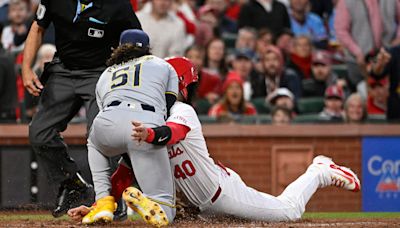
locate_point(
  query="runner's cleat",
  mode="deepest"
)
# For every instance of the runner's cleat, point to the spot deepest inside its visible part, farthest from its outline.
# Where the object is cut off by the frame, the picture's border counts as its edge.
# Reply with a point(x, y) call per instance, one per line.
point(340, 176)
point(150, 211)
point(101, 212)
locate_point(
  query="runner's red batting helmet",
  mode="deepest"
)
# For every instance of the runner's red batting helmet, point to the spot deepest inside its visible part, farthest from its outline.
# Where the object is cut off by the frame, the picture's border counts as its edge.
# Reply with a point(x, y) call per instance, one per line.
point(186, 72)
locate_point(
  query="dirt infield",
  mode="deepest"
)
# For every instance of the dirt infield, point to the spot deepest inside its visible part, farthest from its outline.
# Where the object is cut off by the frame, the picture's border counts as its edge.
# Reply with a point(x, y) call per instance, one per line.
point(41, 220)
point(199, 223)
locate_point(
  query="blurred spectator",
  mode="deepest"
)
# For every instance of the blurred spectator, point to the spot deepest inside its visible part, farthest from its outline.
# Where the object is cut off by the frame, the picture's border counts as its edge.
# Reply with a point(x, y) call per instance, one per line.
point(209, 85)
point(8, 90)
point(45, 54)
point(282, 97)
point(14, 35)
point(355, 109)
point(362, 26)
point(233, 9)
point(308, 24)
point(275, 75)
point(322, 75)
point(387, 64)
point(301, 57)
point(285, 42)
point(214, 60)
point(333, 111)
point(136, 5)
point(286, 3)
point(157, 22)
point(377, 96)
point(331, 26)
point(269, 14)
point(206, 25)
point(34, 4)
point(184, 7)
point(232, 106)
point(186, 14)
point(192, 4)
point(213, 22)
point(242, 64)
point(224, 24)
point(323, 8)
point(375, 61)
point(246, 39)
point(3, 11)
point(265, 38)
point(281, 116)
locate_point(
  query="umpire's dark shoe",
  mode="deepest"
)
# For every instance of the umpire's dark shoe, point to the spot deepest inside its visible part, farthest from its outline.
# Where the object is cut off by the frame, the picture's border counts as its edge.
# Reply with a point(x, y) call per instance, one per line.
point(72, 193)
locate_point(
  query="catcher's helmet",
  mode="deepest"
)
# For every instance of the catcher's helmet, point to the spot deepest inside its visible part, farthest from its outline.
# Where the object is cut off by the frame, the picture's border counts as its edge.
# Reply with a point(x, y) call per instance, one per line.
point(185, 71)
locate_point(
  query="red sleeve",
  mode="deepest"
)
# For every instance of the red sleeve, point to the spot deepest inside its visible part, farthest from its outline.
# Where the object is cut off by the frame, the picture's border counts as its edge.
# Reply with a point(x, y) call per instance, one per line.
point(251, 110)
point(178, 132)
point(233, 11)
point(134, 5)
point(215, 110)
point(190, 26)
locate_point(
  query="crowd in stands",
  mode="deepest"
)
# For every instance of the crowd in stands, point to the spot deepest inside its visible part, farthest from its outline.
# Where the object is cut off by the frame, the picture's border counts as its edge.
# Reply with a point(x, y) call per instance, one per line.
point(259, 61)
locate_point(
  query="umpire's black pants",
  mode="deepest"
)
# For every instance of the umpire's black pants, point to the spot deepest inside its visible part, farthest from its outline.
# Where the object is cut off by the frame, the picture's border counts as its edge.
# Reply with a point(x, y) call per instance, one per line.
point(63, 95)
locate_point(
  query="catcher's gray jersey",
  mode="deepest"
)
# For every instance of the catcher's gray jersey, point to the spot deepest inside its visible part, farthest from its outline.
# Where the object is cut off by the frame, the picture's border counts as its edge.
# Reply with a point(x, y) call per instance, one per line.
point(143, 80)
point(146, 80)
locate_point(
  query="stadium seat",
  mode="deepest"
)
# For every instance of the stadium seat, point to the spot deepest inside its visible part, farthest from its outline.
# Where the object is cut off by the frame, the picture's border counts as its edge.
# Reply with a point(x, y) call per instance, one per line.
point(375, 119)
point(249, 120)
point(261, 106)
point(340, 70)
point(257, 119)
point(310, 105)
point(202, 106)
point(229, 40)
point(264, 119)
point(205, 119)
point(307, 118)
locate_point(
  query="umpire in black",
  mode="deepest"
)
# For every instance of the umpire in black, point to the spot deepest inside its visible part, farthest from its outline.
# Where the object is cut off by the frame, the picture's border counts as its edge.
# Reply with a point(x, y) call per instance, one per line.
point(85, 32)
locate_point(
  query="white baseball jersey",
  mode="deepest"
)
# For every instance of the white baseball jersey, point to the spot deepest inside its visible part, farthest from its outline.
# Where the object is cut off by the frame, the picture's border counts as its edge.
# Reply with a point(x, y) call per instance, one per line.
point(194, 171)
point(146, 80)
point(199, 178)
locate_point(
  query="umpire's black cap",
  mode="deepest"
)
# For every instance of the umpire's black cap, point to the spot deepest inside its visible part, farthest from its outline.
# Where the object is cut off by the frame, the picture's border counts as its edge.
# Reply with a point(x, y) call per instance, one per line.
point(136, 37)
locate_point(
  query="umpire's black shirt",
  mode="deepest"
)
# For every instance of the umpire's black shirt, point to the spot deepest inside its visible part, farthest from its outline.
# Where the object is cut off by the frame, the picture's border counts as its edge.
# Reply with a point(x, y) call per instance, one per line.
point(85, 30)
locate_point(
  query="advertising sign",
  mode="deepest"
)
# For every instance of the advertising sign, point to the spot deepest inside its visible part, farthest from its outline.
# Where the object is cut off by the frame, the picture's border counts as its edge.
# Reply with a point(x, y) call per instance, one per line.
point(381, 173)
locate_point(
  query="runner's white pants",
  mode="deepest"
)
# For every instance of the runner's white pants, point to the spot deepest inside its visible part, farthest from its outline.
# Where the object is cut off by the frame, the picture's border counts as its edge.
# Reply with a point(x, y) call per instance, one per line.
point(239, 200)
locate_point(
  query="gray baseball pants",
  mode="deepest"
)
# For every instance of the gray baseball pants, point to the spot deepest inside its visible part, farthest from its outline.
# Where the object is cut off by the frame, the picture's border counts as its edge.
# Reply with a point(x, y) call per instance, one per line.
point(110, 135)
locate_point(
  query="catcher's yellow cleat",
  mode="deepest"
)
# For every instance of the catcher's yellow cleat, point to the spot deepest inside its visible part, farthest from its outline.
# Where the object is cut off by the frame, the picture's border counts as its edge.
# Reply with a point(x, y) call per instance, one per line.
point(150, 211)
point(101, 212)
